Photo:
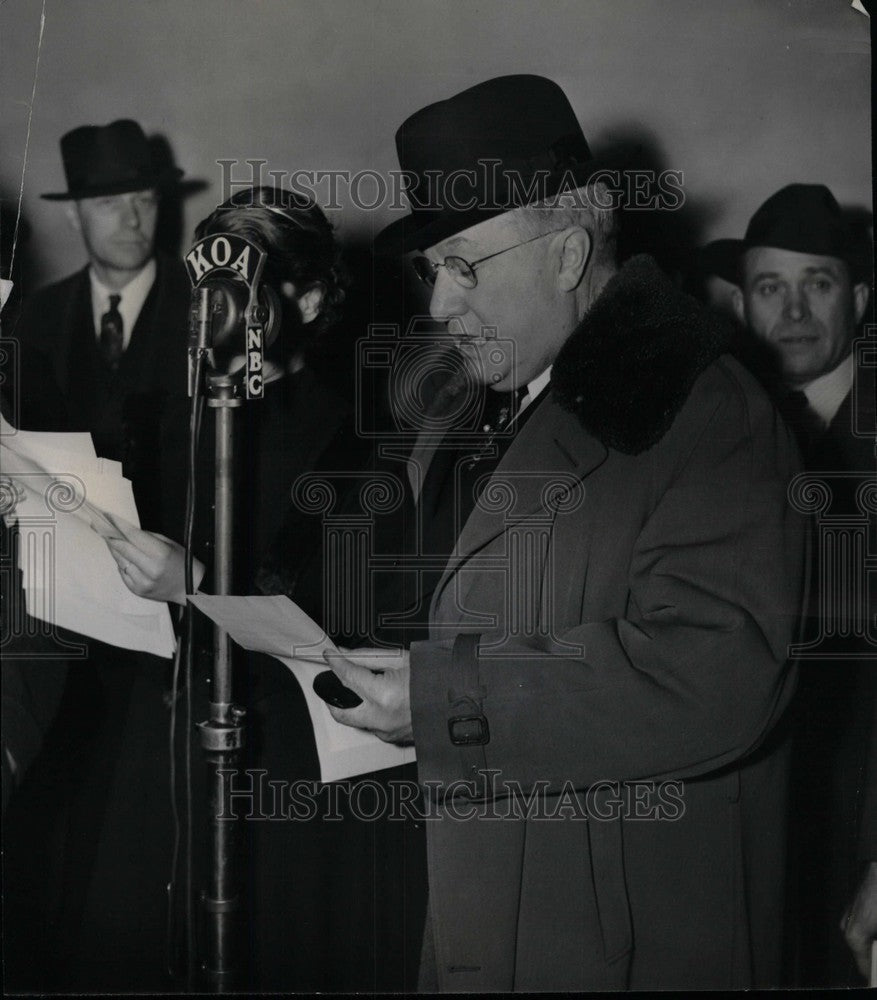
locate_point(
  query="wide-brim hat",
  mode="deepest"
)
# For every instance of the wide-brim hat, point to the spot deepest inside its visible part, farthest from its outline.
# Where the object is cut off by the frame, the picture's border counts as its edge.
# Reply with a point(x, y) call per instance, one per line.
point(500, 145)
point(805, 218)
point(110, 159)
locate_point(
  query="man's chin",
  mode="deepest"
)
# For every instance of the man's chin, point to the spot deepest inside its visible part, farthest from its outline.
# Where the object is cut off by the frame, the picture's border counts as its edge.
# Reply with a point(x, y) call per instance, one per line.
point(483, 375)
point(133, 261)
point(798, 357)
point(797, 371)
point(486, 365)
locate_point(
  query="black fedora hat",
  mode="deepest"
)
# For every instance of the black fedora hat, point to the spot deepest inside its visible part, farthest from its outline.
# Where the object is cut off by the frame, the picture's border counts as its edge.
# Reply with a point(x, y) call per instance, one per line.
point(110, 159)
point(499, 145)
point(805, 218)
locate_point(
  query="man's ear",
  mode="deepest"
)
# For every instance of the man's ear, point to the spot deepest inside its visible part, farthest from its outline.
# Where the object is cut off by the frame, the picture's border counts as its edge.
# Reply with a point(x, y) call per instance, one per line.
point(738, 304)
point(310, 303)
point(574, 256)
point(72, 211)
point(861, 292)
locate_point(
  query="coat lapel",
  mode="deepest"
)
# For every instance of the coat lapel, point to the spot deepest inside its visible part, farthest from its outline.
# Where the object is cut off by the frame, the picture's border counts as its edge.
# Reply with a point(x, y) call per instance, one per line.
point(618, 382)
point(549, 458)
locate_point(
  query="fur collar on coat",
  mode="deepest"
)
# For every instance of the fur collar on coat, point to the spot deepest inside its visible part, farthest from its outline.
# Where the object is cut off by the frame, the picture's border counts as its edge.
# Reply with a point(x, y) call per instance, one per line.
point(629, 366)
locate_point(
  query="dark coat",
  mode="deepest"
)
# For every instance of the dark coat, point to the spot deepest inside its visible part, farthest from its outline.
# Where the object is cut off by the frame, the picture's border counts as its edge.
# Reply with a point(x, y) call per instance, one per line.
point(836, 707)
point(849, 447)
point(643, 640)
point(123, 411)
point(77, 816)
point(868, 820)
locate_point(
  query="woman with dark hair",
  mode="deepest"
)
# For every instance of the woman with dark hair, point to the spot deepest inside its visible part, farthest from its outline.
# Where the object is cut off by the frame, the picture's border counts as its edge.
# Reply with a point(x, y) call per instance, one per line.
point(302, 253)
point(278, 437)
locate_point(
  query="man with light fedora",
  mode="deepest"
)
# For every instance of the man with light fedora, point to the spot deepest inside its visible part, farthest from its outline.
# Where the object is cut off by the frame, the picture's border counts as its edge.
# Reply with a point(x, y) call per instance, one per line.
point(595, 706)
point(803, 277)
point(115, 332)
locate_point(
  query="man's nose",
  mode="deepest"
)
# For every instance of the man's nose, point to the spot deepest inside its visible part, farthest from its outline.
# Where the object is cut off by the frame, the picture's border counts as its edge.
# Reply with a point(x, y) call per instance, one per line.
point(796, 306)
point(447, 298)
point(130, 213)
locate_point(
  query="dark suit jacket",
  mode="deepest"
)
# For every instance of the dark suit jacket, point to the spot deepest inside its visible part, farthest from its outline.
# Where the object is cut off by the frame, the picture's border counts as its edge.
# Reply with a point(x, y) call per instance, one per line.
point(123, 411)
point(112, 723)
point(836, 704)
point(868, 830)
point(852, 441)
point(845, 456)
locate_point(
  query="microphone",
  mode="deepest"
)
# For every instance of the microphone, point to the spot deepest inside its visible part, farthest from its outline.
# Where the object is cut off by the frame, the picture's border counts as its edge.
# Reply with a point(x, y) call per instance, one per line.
point(233, 312)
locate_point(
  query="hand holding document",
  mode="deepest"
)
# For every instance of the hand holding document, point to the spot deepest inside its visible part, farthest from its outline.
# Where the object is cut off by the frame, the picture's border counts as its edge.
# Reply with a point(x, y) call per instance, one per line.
point(153, 565)
point(277, 626)
point(65, 502)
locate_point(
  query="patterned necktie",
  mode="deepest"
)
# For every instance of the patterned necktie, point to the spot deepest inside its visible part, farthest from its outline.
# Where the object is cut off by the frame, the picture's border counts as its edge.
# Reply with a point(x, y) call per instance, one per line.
point(500, 409)
point(111, 333)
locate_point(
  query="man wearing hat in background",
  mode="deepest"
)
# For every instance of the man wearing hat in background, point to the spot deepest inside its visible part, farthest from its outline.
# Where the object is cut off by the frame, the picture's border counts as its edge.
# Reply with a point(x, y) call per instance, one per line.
point(621, 571)
point(803, 292)
point(113, 337)
point(115, 333)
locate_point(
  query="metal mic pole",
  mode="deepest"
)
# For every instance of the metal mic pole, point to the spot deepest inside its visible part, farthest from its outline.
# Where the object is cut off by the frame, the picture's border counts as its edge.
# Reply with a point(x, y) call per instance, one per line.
point(222, 733)
point(219, 315)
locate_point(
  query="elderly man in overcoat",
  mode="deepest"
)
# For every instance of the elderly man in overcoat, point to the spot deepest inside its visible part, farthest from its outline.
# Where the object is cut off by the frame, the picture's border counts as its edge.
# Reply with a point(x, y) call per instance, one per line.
point(597, 709)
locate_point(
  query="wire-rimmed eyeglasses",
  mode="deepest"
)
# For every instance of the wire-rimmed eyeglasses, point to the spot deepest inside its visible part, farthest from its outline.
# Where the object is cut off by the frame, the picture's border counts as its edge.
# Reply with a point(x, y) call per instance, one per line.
point(460, 269)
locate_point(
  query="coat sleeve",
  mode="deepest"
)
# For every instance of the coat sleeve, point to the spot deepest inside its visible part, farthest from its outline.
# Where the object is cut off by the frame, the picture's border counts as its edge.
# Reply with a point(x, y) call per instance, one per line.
point(868, 821)
point(30, 388)
point(690, 679)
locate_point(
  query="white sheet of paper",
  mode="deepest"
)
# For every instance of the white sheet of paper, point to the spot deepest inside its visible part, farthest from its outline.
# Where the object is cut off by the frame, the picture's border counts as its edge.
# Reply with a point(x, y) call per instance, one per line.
point(69, 577)
point(277, 626)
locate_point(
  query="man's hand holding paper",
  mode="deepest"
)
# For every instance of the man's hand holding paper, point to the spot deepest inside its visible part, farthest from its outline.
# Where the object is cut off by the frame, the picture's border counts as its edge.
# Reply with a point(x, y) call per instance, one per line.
point(279, 627)
point(381, 678)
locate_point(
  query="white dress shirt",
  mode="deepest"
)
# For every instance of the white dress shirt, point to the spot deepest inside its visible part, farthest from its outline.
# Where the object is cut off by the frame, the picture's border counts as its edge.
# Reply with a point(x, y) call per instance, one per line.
point(133, 295)
point(535, 387)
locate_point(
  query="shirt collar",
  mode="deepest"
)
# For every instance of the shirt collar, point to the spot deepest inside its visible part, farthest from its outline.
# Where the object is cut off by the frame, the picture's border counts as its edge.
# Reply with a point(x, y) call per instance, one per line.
point(535, 387)
point(826, 393)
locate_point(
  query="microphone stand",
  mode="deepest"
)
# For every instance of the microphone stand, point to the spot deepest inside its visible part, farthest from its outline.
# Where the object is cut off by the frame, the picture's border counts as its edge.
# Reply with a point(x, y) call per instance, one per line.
point(222, 735)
